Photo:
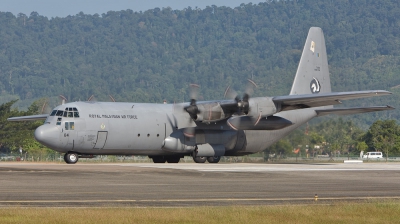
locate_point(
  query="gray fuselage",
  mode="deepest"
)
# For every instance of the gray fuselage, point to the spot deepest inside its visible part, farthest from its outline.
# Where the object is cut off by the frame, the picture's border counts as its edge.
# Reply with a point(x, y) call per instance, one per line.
point(95, 128)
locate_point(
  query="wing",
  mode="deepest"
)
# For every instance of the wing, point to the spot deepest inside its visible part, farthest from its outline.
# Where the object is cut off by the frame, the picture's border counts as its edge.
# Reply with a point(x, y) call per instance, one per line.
point(351, 110)
point(29, 118)
point(293, 102)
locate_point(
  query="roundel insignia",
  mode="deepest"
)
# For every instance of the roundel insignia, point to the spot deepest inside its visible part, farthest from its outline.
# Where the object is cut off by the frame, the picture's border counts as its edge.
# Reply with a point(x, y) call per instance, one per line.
point(315, 86)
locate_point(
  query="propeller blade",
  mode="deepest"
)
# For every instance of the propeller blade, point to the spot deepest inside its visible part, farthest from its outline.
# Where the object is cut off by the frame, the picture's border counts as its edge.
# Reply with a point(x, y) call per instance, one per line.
point(63, 99)
point(90, 98)
point(251, 85)
point(189, 132)
point(194, 92)
point(230, 93)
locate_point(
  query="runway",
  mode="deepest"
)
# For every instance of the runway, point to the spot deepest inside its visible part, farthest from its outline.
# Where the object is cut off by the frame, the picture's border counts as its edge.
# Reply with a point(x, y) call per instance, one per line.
point(190, 184)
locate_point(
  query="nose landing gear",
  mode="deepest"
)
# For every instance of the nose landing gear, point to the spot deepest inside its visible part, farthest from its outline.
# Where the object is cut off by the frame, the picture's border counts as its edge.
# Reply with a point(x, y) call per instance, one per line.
point(71, 157)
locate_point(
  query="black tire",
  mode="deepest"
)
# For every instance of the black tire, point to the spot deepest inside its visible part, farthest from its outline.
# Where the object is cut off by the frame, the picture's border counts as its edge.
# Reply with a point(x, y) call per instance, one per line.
point(71, 157)
point(214, 159)
point(199, 159)
point(173, 159)
point(159, 159)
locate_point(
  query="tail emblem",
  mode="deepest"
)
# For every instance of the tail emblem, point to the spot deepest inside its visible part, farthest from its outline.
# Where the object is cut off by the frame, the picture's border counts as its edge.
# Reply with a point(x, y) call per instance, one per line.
point(312, 47)
point(315, 87)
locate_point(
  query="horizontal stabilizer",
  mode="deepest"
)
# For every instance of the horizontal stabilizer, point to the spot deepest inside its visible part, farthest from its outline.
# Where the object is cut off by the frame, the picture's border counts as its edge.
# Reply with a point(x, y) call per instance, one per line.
point(293, 102)
point(29, 118)
point(352, 110)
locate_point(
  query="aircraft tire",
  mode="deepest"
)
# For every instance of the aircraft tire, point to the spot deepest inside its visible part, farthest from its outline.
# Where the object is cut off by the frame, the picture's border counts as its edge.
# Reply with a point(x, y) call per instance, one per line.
point(213, 159)
point(159, 159)
point(71, 157)
point(173, 159)
point(199, 159)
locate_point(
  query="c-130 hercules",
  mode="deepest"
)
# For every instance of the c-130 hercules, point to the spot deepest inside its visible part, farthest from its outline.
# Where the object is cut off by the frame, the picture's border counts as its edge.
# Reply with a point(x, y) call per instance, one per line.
point(206, 130)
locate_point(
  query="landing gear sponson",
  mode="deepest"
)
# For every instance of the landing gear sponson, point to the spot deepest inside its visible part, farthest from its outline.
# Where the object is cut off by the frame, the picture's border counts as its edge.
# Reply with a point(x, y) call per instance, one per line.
point(73, 157)
point(175, 159)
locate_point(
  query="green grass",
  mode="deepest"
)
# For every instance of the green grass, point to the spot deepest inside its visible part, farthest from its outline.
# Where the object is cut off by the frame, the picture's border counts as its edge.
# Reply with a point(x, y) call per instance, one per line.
point(371, 212)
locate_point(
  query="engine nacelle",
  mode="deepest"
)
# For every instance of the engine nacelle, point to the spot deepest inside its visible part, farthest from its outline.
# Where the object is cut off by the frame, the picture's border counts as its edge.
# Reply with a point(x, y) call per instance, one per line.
point(209, 150)
point(262, 107)
point(176, 143)
point(248, 123)
point(210, 112)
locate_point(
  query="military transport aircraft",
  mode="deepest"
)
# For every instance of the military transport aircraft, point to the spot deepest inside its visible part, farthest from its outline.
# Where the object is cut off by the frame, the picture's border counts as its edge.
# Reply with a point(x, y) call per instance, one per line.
point(206, 130)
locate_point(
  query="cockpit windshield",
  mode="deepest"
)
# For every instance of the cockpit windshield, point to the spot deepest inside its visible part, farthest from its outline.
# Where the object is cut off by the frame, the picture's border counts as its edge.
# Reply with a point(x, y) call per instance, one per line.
point(68, 112)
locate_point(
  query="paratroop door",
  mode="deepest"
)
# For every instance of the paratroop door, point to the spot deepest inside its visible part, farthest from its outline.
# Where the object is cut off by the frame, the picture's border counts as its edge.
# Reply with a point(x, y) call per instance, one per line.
point(101, 139)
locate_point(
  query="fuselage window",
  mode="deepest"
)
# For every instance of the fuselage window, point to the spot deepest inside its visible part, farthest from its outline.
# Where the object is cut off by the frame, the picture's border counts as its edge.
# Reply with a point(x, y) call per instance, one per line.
point(53, 113)
point(76, 114)
point(65, 114)
point(58, 121)
point(69, 125)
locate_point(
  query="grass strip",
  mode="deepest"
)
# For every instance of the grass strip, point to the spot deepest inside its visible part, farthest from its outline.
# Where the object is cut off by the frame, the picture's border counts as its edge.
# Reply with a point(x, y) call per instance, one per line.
point(369, 212)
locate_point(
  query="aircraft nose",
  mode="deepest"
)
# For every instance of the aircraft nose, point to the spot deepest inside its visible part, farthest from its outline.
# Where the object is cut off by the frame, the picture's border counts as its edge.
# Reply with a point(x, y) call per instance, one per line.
point(47, 135)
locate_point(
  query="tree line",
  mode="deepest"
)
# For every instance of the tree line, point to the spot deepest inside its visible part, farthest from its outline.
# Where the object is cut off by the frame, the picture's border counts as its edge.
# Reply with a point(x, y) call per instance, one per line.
point(153, 55)
point(336, 136)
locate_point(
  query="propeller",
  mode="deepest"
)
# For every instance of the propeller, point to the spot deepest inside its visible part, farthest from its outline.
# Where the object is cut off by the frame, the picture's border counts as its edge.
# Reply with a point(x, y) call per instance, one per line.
point(192, 110)
point(243, 105)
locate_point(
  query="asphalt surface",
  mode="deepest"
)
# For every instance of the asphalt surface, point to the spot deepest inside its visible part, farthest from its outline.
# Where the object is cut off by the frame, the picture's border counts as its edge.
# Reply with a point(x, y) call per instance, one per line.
point(190, 184)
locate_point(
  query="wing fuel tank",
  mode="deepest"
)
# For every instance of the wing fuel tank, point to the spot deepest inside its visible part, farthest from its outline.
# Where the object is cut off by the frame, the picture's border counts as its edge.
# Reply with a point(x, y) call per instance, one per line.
point(249, 123)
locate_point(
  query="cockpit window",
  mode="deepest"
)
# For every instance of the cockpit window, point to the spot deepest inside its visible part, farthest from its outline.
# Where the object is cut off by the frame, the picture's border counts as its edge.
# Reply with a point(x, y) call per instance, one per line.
point(59, 112)
point(69, 112)
point(53, 113)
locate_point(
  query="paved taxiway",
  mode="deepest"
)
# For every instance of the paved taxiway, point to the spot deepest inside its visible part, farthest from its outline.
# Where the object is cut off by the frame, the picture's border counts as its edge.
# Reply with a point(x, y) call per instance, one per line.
point(190, 184)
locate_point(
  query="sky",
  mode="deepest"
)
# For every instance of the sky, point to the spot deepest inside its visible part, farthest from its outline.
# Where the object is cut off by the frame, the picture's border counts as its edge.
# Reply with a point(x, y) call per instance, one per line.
point(63, 8)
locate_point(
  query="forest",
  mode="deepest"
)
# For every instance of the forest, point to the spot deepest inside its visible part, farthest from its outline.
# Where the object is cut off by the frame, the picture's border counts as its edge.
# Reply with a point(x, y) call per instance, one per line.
point(153, 55)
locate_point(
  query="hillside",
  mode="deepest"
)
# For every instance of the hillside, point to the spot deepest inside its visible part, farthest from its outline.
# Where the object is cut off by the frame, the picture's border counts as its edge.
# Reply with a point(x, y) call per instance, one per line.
point(153, 55)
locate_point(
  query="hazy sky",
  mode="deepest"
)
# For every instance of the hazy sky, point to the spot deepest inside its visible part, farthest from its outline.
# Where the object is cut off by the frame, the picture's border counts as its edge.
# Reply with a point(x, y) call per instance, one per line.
point(63, 8)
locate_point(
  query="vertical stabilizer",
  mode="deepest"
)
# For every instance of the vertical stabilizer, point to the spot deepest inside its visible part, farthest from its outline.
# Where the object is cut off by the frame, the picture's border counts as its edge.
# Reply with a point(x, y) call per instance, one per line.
point(312, 76)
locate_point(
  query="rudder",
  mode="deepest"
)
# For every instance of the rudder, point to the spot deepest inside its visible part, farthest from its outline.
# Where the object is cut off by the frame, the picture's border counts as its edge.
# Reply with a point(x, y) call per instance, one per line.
point(312, 76)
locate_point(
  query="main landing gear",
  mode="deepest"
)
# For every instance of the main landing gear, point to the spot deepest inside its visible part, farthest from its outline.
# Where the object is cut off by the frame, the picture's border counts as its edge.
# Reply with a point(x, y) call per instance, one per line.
point(202, 159)
point(71, 157)
point(163, 159)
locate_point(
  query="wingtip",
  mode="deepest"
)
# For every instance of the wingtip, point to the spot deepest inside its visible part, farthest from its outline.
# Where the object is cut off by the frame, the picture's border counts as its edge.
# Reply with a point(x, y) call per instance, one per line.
point(390, 107)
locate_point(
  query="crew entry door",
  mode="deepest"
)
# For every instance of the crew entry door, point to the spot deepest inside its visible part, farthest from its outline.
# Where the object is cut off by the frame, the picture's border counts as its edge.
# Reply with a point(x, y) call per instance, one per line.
point(67, 135)
point(101, 139)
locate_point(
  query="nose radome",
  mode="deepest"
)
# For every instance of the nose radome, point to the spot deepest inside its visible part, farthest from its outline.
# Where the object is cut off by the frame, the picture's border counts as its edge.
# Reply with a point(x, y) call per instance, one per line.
point(47, 135)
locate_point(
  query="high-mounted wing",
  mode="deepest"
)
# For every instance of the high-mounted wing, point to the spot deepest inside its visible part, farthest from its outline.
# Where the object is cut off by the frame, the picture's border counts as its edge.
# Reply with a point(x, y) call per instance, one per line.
point(29, 118)
point(293, 102)
point(352, 110)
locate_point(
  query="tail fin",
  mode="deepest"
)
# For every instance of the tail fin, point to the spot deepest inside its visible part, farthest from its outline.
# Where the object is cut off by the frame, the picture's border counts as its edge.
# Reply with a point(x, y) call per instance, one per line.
point(312, 75)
